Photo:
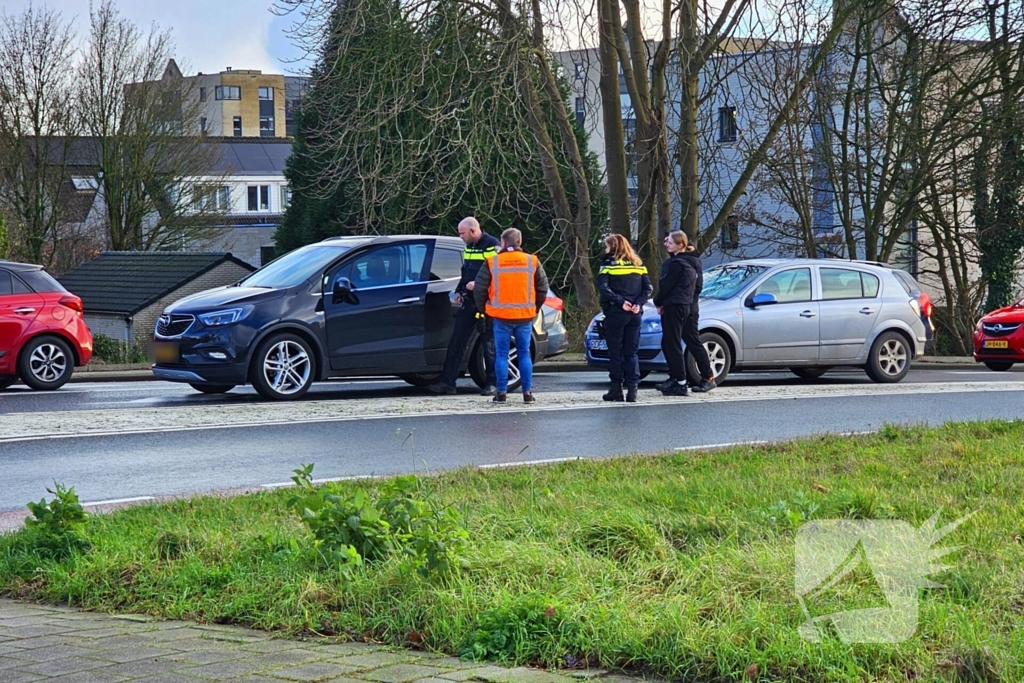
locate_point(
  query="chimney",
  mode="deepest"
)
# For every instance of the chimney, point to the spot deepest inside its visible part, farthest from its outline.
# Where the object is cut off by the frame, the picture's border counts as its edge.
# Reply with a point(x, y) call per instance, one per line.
point(229, 68)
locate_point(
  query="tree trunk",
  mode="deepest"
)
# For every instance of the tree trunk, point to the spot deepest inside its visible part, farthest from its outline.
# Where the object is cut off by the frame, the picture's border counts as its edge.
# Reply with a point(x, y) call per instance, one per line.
point(614, 136)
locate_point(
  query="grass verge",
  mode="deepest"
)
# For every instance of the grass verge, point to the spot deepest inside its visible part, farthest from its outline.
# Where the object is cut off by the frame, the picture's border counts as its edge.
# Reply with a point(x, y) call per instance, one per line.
point(680, 565)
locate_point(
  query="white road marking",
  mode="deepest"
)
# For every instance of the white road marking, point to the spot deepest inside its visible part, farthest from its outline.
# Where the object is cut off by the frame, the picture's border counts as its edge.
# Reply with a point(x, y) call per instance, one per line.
point(136, 499)
point(76, 424)
point(718, 446)
point(524, 463)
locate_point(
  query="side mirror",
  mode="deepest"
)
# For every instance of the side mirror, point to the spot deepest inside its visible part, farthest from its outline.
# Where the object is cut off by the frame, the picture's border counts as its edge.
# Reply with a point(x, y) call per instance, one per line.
point(762, 299)
point(342, 290)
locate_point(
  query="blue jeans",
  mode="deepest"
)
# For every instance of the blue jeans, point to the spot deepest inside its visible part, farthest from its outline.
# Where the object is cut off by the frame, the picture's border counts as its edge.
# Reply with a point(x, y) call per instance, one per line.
point(504, 332)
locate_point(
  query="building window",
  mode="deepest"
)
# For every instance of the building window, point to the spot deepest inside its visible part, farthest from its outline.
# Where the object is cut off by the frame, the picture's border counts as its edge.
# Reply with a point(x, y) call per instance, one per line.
point(202, 125)
point(266, 126)
point(215, 199)
point(85, 184)
point(286, 197)
point(267, 94)
point(259, 197)
point(580, 71)
point(267, 254)
point(731, 233)
point(238, 126)
point(202, 94)
point(727, 129)
point(581, 112)
point(227, 92)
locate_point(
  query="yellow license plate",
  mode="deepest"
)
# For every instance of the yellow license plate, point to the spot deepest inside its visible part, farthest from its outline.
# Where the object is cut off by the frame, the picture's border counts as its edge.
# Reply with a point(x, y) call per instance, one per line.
point(165, 353)
point(989, 344)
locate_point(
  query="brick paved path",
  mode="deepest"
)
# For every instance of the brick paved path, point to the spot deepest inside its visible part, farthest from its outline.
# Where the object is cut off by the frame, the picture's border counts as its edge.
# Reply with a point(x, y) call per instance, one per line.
point(44, 643)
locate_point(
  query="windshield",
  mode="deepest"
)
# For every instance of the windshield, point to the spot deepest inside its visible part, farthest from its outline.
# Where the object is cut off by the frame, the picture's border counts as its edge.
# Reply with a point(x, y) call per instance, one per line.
point(724, 282)
point(295, 267)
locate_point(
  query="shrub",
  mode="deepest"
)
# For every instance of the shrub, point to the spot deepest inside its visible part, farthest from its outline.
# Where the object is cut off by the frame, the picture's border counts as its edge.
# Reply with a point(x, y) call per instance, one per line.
point(55, 527)
point(529, 628)
point(111, 350)
point(350, 529)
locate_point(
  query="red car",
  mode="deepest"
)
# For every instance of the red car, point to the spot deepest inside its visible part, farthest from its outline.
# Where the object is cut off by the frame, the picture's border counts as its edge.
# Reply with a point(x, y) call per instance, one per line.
point(43, 335)
point(999, 338)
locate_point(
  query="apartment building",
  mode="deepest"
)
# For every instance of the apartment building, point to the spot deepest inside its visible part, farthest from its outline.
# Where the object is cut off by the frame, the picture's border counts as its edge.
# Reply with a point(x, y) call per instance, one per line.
point(245, 103)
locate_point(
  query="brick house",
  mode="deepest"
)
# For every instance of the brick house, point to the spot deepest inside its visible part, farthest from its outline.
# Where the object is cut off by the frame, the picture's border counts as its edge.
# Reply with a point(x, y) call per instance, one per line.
point(125, 292)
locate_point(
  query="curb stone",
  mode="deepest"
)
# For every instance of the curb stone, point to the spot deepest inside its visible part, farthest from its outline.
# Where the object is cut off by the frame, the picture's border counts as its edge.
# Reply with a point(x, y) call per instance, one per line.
point(41, 641)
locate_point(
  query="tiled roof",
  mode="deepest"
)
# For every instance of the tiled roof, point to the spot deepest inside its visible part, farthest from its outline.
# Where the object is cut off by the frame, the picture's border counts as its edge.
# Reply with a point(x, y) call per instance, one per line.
point(125, 282)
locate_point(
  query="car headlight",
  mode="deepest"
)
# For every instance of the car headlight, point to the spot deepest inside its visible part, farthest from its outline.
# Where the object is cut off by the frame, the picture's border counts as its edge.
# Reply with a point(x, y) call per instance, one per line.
point(977, 328)
point(225, 317)
point(650, 326)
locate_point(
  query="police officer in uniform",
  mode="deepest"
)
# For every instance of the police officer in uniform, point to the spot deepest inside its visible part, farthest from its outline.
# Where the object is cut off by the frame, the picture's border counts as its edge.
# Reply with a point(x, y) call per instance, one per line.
point(479, 247)
point(625, 288)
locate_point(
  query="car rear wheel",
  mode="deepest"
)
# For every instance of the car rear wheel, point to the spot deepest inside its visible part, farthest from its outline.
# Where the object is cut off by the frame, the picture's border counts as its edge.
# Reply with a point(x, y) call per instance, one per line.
point(282, 367)
point(718, 354)
point(999, 365)
point(421, 380)
point(889, 361)
point(46, 363)
point(6, 382)
point(213, 388)
point(809, 373)
point(478, 371)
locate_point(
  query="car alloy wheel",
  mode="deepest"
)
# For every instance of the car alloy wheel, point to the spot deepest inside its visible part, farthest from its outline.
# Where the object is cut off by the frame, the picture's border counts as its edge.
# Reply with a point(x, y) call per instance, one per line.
point(283, 367)
point(477, 369)
point(890, 358)
point(286, 367)
point(46, 363)
point(719, 357)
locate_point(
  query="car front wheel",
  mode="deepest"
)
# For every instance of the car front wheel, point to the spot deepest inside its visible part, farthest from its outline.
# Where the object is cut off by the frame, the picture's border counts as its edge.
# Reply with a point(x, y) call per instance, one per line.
point(889, 361)
point(282, 367)
point(46, 363)
point(999, 365)
point(719, 356)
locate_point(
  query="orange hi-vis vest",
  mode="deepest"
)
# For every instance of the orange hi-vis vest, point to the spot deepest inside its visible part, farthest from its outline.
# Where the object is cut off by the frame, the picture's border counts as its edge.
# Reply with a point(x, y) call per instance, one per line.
point(511, 295)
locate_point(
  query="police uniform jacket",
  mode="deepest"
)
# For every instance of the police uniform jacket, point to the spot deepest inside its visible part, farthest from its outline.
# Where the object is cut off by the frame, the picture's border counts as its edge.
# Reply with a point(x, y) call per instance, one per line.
point(475, 256)
point(619, 281)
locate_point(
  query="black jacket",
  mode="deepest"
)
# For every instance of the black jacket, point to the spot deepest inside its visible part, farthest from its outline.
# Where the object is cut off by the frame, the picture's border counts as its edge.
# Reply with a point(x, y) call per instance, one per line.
point(620, 281)
point(678, 285)
point(694, 258)
point(473, 258)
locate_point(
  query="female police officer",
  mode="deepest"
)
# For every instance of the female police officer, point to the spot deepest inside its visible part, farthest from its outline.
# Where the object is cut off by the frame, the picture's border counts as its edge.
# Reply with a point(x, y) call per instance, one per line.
point(624, 288)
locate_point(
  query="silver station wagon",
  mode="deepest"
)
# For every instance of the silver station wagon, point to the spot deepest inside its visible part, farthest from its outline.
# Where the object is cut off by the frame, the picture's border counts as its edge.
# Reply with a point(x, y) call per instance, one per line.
point(807, 315)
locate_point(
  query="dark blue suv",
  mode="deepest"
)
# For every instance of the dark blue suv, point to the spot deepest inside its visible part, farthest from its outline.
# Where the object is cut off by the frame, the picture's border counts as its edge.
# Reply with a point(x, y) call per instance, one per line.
point(347, 306)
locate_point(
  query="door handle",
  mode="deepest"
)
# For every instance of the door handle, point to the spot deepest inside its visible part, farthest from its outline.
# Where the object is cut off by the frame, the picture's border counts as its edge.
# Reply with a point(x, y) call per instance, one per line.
point(808, 314)
point(866, 311)
point(410, 300)
point(24, 311)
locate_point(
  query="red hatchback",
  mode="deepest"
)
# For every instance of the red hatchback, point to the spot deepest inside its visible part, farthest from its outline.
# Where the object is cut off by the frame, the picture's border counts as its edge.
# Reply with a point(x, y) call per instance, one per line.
point(43, 335)
point(999, 338)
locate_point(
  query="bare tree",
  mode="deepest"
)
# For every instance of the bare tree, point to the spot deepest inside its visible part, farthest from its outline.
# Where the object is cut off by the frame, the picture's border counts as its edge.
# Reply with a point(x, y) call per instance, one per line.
point(37, 120)
point(144, 123)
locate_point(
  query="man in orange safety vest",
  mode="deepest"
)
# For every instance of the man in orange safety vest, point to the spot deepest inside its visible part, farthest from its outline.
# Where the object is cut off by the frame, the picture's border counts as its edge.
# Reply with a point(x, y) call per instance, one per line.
point(511, 287)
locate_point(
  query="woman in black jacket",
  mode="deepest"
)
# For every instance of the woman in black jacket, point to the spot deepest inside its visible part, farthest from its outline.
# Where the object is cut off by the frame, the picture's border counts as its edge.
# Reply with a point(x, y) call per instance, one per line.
point(625, 288)
point(678, 293)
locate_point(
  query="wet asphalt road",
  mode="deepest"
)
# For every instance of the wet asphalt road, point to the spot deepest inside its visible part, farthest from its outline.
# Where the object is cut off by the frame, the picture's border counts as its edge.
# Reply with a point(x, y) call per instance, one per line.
point(99, 395)
point(103, 468)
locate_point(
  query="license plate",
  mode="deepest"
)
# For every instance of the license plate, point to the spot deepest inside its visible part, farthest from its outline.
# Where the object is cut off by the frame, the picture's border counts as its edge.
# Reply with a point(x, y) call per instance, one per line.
point(166, 352)
point(989, 344)
point(598, 344)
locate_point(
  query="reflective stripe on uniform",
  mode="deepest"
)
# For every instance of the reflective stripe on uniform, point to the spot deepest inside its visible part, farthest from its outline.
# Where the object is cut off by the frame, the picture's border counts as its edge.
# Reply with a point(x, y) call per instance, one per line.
point(471, 254)
point(622, 267)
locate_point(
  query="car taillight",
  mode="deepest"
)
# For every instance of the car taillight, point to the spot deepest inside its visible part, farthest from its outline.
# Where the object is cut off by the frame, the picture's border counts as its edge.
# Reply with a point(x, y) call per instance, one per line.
point(555, 303)
point(926, 305)
point(72, 302)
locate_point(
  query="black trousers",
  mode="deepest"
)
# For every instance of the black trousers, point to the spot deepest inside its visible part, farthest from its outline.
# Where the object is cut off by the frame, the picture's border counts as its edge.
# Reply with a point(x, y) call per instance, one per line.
point(622, 332)
point(679, 325)
point(465, 323)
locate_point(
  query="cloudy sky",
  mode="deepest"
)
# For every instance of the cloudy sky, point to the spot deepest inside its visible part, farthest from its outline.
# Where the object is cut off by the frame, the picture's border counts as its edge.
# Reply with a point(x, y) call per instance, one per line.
point(209, 34)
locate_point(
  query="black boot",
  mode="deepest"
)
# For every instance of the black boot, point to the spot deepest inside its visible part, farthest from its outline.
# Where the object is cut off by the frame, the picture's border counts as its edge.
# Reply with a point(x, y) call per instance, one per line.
point(662, 386)
point(631, 393)
point(676, 390)
point(614, 393)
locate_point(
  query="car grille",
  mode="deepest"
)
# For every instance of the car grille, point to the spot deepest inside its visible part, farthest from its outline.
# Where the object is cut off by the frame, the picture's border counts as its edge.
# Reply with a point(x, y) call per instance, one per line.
point(173, 325)
point(1000, 329)
point(642, 354)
